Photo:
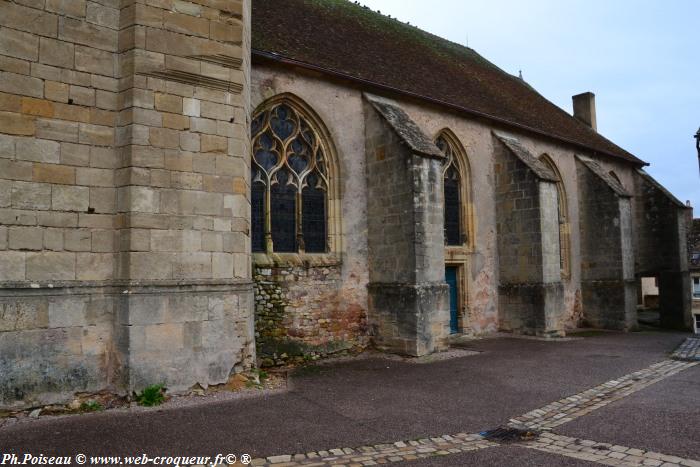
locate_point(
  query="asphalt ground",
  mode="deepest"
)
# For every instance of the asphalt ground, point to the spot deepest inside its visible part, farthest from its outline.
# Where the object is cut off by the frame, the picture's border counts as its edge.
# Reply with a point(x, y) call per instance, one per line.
point(375, 400)
point(664, 417)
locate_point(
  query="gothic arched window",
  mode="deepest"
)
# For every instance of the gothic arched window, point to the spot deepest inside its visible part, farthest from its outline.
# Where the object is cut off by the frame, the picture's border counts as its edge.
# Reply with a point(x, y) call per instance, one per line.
point(456, 191)
point(564, 241)
point(290, 182)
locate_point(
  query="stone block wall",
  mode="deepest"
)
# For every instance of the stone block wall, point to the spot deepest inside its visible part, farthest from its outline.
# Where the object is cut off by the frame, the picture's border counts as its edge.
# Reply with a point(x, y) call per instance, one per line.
point(123, 170)
point(531, 296)
point(305, 311)
point(59, 106)
point(196, 334)
point(54, 343)
point(408, 298)
point(607, 258)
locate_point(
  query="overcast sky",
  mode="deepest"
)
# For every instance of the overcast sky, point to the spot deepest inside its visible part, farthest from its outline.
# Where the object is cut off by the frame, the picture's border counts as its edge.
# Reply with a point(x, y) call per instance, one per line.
point(641, 58)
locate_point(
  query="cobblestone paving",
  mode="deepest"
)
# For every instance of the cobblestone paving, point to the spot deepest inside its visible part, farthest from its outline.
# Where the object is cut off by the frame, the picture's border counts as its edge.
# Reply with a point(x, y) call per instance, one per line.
point(540, 421)
point(382, 453)
point(689, 350)
point(572, 407)
point(605, 453)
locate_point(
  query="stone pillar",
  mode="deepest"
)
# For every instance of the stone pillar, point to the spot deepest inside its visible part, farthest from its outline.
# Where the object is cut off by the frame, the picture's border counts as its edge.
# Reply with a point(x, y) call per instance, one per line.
point(530, 290)
point(183, 194)
point(608, 282)
point(408, 297)
point(124, 205)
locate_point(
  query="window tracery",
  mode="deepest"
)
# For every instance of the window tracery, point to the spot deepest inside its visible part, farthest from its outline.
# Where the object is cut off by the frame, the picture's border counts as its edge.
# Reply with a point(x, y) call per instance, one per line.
point(290, 182)
point(455, 232)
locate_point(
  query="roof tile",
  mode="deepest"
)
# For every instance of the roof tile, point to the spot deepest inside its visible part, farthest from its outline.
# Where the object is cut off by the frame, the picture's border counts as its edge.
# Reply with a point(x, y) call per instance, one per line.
point(352, 41)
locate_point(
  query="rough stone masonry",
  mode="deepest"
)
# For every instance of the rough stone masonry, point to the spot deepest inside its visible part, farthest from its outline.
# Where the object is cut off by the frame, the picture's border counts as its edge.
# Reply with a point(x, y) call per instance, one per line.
point(124, 210)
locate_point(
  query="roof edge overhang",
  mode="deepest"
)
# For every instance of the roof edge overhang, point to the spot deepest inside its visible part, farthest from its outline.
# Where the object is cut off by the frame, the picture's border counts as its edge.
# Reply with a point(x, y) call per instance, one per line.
point(272, 56)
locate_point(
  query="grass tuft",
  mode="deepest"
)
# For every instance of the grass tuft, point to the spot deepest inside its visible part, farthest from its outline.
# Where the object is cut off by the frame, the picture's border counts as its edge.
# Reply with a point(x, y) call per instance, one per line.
point(151, 396)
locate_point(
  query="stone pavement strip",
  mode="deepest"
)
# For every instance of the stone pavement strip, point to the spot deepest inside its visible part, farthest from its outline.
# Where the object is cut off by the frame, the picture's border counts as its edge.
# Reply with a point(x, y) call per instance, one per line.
point(382, 453)
point(689, 350)
point(604, 453)
point(568, 409)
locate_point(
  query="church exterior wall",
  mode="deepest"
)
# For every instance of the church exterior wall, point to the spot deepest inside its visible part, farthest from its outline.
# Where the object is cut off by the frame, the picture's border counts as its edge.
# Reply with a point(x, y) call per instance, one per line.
point(338, 106)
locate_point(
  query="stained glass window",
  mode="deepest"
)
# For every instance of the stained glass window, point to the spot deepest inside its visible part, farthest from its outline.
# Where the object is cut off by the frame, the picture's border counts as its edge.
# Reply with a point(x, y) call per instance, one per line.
point(289, 173)
point(314, 219)
point(257, 201)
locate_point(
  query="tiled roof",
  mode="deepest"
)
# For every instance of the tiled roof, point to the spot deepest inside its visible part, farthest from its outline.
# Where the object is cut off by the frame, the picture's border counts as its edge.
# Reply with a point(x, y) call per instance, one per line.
point(350, 41)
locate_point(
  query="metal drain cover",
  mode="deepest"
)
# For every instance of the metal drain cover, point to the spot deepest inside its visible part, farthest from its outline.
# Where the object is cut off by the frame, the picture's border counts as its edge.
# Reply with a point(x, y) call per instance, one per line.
point(509, 435)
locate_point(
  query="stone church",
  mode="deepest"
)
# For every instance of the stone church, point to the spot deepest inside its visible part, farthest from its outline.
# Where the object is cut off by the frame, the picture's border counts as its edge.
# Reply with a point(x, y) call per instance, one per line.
point(191, 187)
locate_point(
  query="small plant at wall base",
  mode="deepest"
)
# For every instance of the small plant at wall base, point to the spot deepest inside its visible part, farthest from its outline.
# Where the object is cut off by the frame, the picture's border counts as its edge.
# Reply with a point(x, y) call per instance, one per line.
point(91, 406)
point(151, 396)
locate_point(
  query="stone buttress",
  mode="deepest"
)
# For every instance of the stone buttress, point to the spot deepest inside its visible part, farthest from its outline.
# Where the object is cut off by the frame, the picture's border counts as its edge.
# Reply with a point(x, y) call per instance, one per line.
point(408, 297)
point(530, 289)
point(660, 222)
point(607, 258)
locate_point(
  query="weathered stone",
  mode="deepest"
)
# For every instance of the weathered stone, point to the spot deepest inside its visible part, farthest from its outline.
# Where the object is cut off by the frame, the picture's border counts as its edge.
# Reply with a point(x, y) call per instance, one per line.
point(31, 195)
point(168, 103)
point(70, 198)
point(7, 147)
point(19, 44)
point(12, 266)
point(226, 32)
point(82, 95)
point(67, 311)
point(58, 130)
point(96, 134)
point(211, 143)
point(67, 7)
point(53, 173)
point(50, 266)
point(26, 238)
point(176, 122)
point(102, 15)
point(21, 84)
point(78, 240)
point(57, 219)
point(95, 266)
point(38, 150)
point(81, 32)
point(16, 124)
point(53, 239)
point(75, 154)
point(191, 107)
point(94, 61)
point(28, 19)
point(57, 53)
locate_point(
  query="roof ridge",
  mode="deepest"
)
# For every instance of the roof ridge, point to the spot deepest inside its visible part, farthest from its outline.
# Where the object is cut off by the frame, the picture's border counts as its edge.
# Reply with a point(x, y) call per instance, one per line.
point(320, 32)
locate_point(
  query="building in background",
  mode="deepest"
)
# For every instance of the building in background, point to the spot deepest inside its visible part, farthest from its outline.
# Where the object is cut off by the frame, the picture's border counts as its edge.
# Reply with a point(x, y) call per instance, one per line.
point(694, 262)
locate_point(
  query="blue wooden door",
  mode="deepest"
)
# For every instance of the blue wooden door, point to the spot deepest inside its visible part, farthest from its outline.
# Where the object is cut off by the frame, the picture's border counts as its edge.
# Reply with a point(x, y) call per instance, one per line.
point(451, 279)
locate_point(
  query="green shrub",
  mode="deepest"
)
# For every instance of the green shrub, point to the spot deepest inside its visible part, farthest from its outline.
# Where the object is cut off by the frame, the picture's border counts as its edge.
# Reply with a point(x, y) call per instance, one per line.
point(151, 396)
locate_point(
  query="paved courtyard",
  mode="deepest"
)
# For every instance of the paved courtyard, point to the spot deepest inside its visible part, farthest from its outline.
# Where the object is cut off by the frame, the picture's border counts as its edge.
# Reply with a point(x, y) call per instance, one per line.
point(608, 398)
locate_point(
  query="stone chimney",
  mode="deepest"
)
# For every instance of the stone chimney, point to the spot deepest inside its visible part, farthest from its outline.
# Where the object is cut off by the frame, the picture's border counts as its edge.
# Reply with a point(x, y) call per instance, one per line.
point(584, 109)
